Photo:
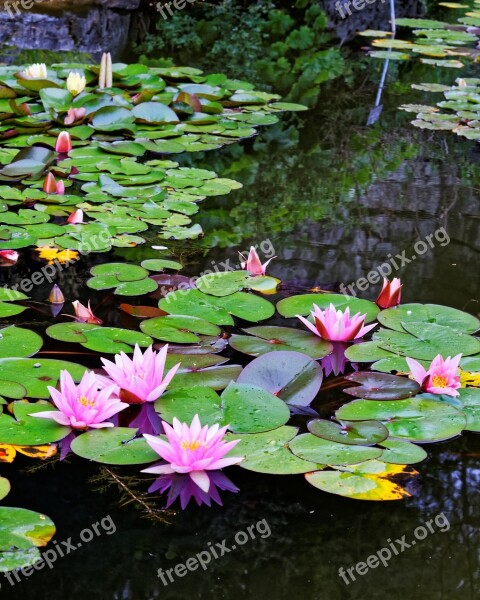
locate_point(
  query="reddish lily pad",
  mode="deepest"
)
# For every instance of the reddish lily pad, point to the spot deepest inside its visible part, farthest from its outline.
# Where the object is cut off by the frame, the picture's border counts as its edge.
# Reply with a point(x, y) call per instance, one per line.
point(291, 376)
point(381, 386)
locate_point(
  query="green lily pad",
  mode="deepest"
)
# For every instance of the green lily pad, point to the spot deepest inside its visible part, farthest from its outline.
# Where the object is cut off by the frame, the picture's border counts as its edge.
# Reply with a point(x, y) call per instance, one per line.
point(18, 342)
point(356, 433)
point(400, 452)
point(244, 408)
point(217, 310)
point(416, 419)
point(267, 339)
point(114, 446)
point(4, 487)
point(268, 452)
point(216, 378)
point(21, 529)
point(424, 341)
point(223, 283)
point(36, 375)
point(312, 448)
point(428, 313)
point(367, 481)
point(25, 430)
point(181, 329)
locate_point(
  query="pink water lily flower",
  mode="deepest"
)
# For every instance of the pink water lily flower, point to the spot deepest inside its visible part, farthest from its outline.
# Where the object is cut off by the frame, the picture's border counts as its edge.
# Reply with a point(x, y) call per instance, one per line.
point(74, 114)
point(440, 378)
point(336, 325)
point(88, 404)
point(391, 293)
point(253, 264)
point(193, 450)
point(84, 314)
point(142, 378)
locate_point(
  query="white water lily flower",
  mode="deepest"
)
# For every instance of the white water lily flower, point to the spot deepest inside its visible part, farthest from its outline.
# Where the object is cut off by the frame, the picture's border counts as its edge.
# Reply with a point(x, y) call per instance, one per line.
point(76, 83)
point(36, 71)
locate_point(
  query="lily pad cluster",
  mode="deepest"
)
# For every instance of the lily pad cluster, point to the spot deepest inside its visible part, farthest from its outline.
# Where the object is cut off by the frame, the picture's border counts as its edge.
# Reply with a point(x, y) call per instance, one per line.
point(354, 451)
point(119, 171)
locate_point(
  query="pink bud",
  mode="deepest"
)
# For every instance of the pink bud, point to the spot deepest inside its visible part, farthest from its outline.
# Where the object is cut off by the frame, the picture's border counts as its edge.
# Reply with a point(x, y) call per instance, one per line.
point(76, 217)
point(9, 255)
point(64, 143)
point(49, 184)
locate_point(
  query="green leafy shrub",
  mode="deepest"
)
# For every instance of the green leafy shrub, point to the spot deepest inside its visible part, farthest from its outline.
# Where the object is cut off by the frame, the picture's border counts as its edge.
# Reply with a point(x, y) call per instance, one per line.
point(280, 49)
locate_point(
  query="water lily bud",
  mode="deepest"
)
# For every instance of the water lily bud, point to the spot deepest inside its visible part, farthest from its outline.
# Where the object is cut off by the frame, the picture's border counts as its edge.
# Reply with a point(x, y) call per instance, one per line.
point(56, 296)
point(60, 188)
point(76, 83)
point(84, 314)
point(49, 184)
point(76, 217)
point(64, 143)
point(35, 71)
point(10, 256)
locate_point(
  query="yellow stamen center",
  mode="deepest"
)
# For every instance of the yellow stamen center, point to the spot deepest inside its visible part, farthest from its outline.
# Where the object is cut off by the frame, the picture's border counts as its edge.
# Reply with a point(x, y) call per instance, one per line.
point(439, 381)
point(86, 402)
point(191, 446)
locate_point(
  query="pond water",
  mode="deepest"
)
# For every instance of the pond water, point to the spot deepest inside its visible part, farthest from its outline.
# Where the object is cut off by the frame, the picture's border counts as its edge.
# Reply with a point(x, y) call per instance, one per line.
point(334, 200)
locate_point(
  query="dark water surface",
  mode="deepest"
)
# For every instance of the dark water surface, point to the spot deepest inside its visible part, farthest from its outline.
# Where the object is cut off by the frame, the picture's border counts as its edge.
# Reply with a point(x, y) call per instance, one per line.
point(334, 200)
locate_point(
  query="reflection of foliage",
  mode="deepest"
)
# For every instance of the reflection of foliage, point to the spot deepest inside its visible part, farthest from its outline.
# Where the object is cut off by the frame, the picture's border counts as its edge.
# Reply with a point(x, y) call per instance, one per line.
point(283, 49)
point(129, 489)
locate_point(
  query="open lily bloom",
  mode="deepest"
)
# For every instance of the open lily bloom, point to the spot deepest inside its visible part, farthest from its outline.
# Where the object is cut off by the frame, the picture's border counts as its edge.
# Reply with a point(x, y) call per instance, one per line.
point(193, 450)
point(74, 114)
point(391, 293)
point(35, 71)
point(141, 378)
point(76, 83)
point(253, 263)
point(440, 378)
point(336, 325)
point(88, 404)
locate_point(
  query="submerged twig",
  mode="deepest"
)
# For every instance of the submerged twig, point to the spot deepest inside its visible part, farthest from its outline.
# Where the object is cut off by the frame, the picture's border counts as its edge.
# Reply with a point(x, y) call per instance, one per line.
point(130, 495)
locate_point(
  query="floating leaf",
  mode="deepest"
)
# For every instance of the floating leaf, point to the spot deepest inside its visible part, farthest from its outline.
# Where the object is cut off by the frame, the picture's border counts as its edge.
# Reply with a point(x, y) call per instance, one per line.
point(114, 446)
point(268, 452)
point(303, 305)
point(25, 430)
point(274, 339)
point(312, 448)
point(357, 433)
point(416, 419)
point(378, 386)
point(374, 484)
point(291, 376)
